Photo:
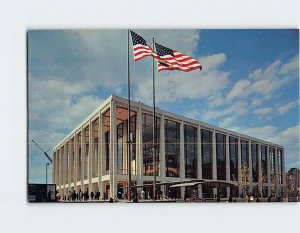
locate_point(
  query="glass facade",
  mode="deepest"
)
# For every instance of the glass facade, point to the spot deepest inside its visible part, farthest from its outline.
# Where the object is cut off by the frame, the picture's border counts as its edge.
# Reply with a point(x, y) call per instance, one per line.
point(172, 148)
point(254, 154)
point(86, 153)
point(95, 148)
point(107, 154)
point(73, 153)
point(120, 155)
point(272, 163)
point(221, 156)
point(147, 134)
point(206, 147)
point(244, 152)
point(264, 164)
point(79, 157)
point(133, 144)
point(190, 151)
point(279, 156)
point(72, 161)
point(65, 158)
point(233, 155)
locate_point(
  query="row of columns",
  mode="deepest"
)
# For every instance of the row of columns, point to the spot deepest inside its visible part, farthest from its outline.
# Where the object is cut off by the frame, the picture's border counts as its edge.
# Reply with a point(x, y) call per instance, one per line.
point(79, 182)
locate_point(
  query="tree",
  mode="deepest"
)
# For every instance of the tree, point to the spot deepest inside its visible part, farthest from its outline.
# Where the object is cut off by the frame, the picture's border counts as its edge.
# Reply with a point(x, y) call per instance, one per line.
point(274, 185)
point(262, 180)
point(244, 177)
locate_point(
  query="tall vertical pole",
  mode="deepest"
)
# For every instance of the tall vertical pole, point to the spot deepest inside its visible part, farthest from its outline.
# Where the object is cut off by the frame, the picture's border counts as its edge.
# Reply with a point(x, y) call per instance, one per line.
point(46, 173)
point(154, 129)
point(128, 124)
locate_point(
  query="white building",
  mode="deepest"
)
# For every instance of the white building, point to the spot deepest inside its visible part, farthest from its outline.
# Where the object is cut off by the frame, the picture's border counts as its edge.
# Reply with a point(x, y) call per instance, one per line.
point(94, 155)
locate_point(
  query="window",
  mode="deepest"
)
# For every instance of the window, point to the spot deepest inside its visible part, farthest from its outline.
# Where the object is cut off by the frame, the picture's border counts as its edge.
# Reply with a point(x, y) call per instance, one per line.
point(279, 152)
point(79, 157)
point(107, 155)
point(206, 145)
point(120, 155)
point(172, 141)
point(147, 132)
point(233, 155)
point(245, 152)
point(254, 154)
point(264, 164)
point(272, 164)
point(133, 144)
point(221, 156)
point(190, 151)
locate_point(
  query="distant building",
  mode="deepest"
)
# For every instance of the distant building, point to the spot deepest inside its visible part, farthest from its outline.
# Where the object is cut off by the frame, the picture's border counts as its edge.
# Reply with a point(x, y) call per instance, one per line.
point(94, 155)
point(293, 181)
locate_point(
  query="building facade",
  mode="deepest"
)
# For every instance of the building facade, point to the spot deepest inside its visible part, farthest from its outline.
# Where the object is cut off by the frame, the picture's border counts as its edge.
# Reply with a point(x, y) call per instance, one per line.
point(293, 182)
point(94, 155)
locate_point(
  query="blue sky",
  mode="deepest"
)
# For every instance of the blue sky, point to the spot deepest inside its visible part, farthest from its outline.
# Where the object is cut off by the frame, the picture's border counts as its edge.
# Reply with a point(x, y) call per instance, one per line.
point(249, 82)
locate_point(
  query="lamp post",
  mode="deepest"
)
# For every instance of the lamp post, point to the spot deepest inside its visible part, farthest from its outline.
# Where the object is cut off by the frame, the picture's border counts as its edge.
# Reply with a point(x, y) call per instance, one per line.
point(47, 164)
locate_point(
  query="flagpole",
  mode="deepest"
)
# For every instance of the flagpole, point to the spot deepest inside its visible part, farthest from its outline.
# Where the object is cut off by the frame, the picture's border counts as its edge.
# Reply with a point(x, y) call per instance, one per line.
point(154, 129)
point(128, 124)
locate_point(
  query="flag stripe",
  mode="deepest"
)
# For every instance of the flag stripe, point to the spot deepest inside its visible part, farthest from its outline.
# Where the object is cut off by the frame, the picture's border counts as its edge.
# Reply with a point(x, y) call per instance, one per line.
point(140, 47)
point(174, 60)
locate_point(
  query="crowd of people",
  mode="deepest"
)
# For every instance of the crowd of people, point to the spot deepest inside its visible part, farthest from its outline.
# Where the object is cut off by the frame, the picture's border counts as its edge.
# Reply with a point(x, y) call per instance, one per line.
point(81, 196)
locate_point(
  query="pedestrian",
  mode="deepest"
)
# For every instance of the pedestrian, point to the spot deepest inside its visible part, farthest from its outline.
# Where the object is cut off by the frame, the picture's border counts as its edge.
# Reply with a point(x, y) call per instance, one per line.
point(143, 194)
point(116, 199)
point(73, 196)
point(230, 199)
point(92, 195)
point(49, 195)
point(270, 198)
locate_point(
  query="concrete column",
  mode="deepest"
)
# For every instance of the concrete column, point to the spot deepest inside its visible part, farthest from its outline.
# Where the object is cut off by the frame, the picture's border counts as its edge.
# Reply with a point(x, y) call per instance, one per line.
point(227, 163)
point(239, 163)
point(283, 170)
point(101, 153)
point(276, 171)
point(113, 149)
point(269, 170)
point(259, 167)
point(91, 155)
point(250, 166)
point(139, 147)
point(214, 159)
point(162, 152)
point(69, 165)
point(82, 157)
point(75, 162)
point(60, 170)
point(199, 160)
point(181, 157)
point(53, 168)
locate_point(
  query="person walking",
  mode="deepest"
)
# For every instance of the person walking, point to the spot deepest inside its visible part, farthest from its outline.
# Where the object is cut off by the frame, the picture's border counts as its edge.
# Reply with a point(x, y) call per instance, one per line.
point(92, 195)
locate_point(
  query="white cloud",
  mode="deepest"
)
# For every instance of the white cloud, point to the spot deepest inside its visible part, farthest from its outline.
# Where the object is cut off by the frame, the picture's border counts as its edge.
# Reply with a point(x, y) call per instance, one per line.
point(263, 132)
point(292, 65)
point(262, 111)
point(264, 82)
point(255, 103)
point(227, 121)
point(239, 108)
point(174, 86)
point(239, 89)
point(285, 108)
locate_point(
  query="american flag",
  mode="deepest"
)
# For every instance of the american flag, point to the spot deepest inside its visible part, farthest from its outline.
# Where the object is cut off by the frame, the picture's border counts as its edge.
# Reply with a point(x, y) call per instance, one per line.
point(170, 59)
point(140, 47)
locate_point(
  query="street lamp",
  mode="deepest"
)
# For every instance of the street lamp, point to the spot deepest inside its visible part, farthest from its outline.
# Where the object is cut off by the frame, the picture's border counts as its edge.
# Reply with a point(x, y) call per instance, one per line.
point(47, 164)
